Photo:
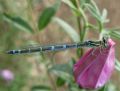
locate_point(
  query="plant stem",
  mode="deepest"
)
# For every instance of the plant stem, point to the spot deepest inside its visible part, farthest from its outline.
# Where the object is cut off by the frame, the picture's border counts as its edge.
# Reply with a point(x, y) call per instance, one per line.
point(79, 51)
point(100, 26)
point(82, 27)
point(79, 26)
point(85, 23)
point(79, 21)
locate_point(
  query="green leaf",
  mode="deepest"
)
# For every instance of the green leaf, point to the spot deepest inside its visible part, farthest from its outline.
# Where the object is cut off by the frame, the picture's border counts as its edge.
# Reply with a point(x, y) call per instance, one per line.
point(65, 76)
point(71, 63)
point(104, 88)
point(117, 65)
point(74, 87)
point(64, 71)
point(115, 34)
point(104, 16)
point(73, 2)
point(113, 29)
point(83, 2)
point(60, 81)
point(72, 5)
point(41, 88)
point(93, 11)
point(95, 7)
point(18, 22)
point(62, 67)
point(68, 29)
point(67, 68)
point(47, 15)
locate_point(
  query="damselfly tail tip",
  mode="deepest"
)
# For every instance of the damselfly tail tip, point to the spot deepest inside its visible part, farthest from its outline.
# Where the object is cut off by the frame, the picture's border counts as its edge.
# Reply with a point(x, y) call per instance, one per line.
point(9, 52)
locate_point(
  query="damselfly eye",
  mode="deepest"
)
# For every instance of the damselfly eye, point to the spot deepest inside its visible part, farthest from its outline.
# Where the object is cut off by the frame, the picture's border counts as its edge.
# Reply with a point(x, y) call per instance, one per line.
point(105, 39)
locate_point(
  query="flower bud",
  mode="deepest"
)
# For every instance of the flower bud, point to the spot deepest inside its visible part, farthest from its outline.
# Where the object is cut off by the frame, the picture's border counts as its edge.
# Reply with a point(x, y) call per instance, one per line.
point(94, 69)
point(7, 75)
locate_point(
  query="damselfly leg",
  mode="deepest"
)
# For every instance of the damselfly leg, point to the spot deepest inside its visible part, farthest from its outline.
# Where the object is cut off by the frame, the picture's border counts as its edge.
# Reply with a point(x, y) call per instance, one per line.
point(103, 45)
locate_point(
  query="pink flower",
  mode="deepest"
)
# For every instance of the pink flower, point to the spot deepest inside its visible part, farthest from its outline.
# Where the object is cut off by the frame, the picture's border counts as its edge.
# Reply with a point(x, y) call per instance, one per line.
point(94, 69)
point(7, 75)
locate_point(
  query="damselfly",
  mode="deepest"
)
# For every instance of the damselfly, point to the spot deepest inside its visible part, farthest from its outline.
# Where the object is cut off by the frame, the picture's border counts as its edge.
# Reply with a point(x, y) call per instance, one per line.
point(58, 47)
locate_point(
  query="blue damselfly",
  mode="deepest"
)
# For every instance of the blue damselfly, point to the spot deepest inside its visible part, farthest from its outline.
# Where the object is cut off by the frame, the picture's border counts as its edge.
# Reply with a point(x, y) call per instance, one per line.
point(58, 47)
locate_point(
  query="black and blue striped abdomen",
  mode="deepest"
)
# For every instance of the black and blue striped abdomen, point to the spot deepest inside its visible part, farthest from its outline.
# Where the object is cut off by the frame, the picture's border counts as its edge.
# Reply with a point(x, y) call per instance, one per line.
point(56, 47)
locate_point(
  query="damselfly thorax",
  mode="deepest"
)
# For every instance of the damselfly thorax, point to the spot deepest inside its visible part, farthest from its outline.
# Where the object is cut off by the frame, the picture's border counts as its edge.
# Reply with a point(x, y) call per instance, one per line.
point(58, 47)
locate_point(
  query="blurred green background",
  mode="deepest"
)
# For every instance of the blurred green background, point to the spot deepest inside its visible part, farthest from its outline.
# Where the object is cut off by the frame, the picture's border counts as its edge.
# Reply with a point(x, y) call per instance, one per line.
point(30, 69)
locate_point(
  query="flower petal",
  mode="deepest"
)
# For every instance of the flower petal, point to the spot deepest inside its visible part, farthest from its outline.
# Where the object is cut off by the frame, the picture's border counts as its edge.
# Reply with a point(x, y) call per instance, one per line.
point(94, 69)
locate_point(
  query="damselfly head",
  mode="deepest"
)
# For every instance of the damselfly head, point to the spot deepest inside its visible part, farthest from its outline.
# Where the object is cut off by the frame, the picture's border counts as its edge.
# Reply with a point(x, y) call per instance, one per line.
point(105, 41)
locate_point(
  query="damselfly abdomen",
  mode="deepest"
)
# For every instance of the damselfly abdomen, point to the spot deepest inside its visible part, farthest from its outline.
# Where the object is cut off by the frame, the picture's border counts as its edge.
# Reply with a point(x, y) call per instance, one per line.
point(59, 47)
